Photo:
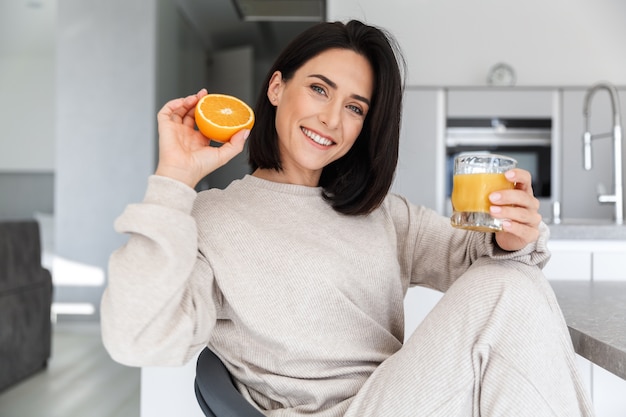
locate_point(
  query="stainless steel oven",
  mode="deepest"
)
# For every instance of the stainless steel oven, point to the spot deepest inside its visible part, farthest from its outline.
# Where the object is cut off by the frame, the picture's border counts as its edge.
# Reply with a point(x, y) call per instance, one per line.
point(529, 140)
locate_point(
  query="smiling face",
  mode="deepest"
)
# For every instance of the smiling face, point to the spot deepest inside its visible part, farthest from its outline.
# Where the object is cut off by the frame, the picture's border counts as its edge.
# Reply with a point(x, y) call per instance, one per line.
point(320, 112)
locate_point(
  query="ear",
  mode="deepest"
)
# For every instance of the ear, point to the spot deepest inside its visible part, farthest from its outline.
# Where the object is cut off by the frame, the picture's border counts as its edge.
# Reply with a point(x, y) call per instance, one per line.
point(275, 88)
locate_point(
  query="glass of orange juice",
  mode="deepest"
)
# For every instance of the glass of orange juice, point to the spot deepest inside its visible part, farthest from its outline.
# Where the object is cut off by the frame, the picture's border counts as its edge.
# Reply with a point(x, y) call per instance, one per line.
point(475, 177)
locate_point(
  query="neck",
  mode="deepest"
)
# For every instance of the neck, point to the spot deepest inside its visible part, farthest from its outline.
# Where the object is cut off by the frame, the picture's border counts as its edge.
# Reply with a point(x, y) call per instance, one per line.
point(283, 177)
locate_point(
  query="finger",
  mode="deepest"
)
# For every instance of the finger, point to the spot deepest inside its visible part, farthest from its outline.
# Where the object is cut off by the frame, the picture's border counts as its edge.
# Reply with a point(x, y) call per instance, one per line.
point(168, 109)
point(520, 178)
point(189, 107)
point(515, 197)
point(516, 205)
point(519, 215)
point(236, 143)
point(215, 157)
point(189, 119)
point(180, 109)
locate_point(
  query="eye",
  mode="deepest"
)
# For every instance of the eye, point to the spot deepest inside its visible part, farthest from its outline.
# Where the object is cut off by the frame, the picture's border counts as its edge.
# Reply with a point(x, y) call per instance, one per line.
point(318, 89)
point(355, 109)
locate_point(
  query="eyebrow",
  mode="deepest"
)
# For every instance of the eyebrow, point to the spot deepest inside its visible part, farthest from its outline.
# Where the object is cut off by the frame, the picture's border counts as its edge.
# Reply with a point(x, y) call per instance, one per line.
point(333, 85)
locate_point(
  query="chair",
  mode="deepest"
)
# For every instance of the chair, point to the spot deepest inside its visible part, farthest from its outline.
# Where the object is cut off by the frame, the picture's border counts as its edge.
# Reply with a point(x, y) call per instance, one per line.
point(216, 392)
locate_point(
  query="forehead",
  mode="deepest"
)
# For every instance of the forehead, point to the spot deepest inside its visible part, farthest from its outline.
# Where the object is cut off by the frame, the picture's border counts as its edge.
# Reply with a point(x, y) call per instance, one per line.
point(345, 67)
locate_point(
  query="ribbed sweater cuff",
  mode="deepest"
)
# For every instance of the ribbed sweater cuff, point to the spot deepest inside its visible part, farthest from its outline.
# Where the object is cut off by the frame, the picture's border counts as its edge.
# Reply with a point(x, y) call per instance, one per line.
point(164, 191)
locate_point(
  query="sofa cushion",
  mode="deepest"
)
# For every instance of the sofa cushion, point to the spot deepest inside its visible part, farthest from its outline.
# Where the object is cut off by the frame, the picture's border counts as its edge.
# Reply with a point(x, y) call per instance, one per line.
point(20, 254)
point(25, 332)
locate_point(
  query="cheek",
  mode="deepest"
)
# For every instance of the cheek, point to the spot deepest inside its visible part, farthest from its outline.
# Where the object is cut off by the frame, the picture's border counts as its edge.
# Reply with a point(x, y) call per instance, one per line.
point(281, 121)
point(352, 131)
point(287, 114)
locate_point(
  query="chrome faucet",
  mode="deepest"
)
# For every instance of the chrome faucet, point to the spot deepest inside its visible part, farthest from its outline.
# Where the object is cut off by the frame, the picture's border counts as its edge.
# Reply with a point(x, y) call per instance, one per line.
point(617, 197)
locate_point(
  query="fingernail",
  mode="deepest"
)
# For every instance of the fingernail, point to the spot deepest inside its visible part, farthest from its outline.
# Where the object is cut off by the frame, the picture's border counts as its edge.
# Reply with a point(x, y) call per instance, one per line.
point(246, 133)
point(495, 209)
point(509, 174)
point(495, 197)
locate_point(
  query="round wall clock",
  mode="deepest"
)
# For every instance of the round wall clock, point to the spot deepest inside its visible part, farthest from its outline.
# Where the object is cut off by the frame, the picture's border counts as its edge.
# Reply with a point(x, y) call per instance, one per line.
point(501, 74)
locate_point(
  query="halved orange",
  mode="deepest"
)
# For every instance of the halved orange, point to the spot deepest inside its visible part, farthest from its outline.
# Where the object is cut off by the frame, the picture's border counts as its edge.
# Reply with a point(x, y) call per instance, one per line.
point(220, 116)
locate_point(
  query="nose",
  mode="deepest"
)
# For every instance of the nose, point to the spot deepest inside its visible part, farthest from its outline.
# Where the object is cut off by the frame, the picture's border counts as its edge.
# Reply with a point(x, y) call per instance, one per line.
point(330, 116)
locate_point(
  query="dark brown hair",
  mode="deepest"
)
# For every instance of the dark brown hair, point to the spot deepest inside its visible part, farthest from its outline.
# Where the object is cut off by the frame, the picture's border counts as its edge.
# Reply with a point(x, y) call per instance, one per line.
point(358, 182)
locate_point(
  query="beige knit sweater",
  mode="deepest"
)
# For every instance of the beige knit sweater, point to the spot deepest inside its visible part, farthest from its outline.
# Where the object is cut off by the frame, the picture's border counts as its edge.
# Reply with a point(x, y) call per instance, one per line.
point(301, 302)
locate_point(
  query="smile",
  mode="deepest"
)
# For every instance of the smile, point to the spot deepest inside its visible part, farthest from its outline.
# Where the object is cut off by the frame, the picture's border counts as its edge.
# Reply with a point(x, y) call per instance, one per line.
point(317, 138)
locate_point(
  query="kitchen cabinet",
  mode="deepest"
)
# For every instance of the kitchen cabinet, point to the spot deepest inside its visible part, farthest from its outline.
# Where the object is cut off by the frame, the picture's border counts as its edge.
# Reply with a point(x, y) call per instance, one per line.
point(419, 176)
point(422, 143)
point(593, 260)
point(609, 265)
point(608, 393)
point(587, 260)
point(417, 304)
point(574, 264)
point(500, 102)
point(515, 103)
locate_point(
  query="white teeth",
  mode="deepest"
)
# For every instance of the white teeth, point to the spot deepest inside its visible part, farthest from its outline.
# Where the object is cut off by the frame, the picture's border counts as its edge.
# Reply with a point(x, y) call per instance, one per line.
point(317, 138)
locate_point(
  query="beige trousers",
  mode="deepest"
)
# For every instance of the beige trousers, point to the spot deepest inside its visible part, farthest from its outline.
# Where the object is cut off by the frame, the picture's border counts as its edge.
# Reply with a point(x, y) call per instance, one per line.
point(495, 345)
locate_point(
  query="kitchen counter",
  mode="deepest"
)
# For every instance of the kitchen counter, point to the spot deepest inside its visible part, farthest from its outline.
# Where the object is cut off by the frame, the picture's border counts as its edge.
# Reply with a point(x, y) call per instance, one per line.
point(595, 313)
point(587, 229)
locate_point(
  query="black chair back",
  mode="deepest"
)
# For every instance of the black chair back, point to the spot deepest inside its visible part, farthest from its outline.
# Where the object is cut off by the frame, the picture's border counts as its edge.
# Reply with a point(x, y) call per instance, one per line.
point(215, 391)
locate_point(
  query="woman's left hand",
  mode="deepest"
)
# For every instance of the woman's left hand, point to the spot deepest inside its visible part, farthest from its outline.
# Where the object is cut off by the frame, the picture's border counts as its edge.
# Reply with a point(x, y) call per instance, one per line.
point(520, 208)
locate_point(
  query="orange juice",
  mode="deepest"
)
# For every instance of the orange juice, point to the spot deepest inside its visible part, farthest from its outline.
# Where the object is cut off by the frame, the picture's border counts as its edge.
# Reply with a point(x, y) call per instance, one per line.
point(470, 192)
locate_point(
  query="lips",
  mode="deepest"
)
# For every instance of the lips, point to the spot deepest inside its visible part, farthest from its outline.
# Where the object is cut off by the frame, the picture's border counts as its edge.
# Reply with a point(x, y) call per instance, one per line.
point(320, 140)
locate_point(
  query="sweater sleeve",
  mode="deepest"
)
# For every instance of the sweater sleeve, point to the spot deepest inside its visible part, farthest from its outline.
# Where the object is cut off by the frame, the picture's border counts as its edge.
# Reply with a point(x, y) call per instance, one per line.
point(432, 253)
point(158, 308)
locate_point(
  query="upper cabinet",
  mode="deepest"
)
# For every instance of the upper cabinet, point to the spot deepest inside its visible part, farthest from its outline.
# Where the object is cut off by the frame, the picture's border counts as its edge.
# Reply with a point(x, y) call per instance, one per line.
point(500, 102)
point(418, 176)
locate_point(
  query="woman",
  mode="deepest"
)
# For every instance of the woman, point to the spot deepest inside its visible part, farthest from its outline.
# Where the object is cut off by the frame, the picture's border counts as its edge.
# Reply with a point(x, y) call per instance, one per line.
point(295, 275)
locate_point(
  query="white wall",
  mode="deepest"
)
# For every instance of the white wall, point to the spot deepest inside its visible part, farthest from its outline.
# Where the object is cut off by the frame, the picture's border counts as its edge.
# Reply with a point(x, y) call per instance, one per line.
point(455, 42)
point(105, 136)
point(27, 85)
point(117, 62)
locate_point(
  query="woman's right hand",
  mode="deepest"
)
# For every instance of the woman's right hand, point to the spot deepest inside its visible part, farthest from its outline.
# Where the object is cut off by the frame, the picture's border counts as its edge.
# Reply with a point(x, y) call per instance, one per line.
point(184, 153)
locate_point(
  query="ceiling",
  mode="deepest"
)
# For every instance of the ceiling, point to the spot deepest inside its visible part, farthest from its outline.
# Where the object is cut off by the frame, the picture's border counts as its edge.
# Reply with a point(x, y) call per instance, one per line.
point(267, 25)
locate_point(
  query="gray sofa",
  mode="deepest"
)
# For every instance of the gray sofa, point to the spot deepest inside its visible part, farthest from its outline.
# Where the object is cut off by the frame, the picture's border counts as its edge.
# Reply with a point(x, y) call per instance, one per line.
point(25, 301)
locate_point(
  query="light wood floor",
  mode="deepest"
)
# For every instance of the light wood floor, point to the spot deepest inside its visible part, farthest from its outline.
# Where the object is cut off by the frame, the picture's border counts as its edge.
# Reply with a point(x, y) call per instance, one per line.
point(81, 381)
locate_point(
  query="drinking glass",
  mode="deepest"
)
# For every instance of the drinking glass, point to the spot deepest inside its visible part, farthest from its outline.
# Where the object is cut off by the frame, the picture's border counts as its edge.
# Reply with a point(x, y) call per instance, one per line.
point(475, 177)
